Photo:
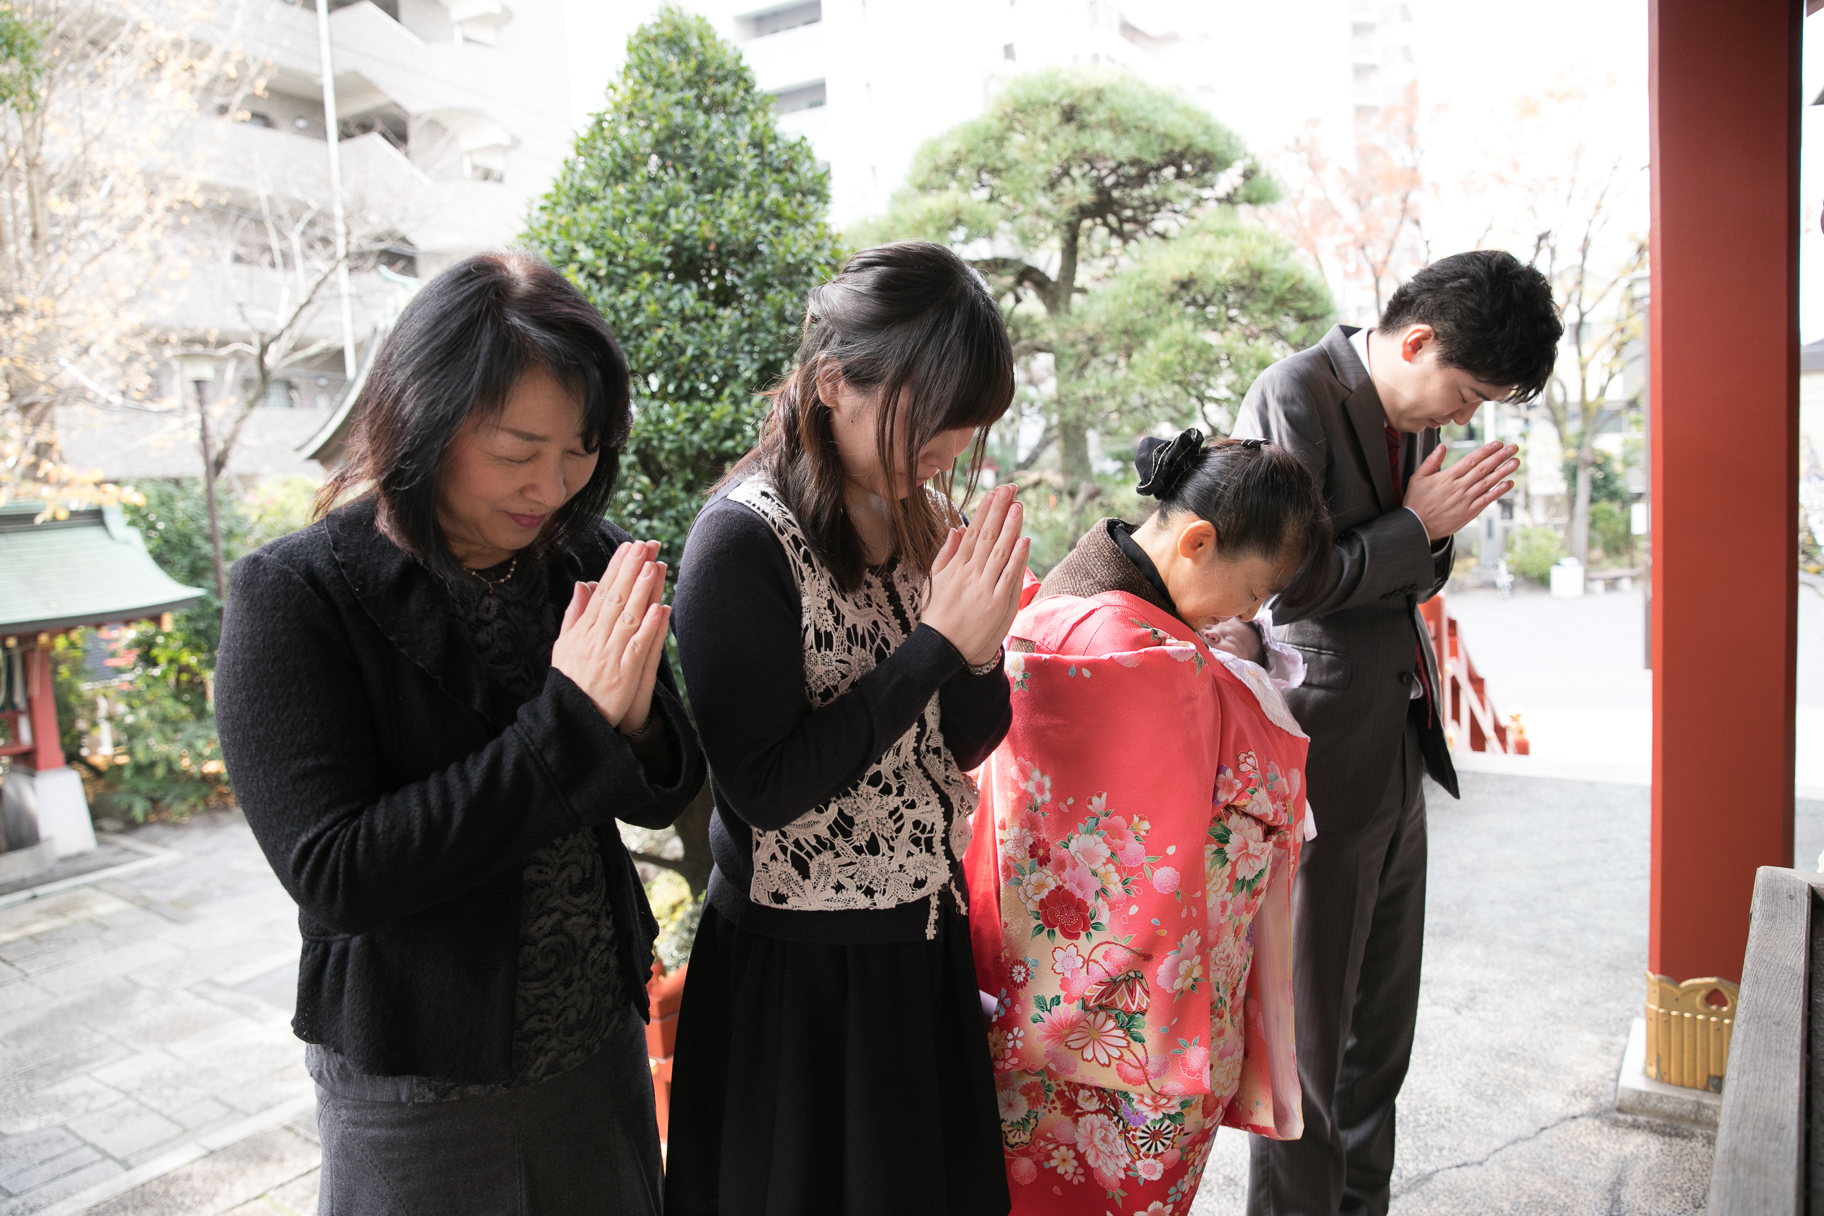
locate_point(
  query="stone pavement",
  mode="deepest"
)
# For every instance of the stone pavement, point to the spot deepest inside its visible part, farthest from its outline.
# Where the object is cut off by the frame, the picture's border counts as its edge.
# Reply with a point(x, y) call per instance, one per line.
point(1535, 957)
point(146, 1058)
point(146, 1065)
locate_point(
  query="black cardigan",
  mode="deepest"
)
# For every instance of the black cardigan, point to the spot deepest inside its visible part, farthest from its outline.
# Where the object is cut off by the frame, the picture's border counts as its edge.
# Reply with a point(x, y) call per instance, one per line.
point(398, 798)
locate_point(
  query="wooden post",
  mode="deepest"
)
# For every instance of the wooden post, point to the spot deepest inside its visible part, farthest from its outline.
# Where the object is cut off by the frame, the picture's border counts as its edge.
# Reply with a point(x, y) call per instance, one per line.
point(1761, 1158)
point(41, 702)
point(1723, 83)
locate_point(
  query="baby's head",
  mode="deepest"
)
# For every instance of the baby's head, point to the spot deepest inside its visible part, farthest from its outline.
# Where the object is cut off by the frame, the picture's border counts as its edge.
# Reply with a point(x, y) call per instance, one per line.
point(1238, 637)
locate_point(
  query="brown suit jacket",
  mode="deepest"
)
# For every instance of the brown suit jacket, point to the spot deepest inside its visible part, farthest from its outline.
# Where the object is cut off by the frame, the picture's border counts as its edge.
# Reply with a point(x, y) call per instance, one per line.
point(1359, 631)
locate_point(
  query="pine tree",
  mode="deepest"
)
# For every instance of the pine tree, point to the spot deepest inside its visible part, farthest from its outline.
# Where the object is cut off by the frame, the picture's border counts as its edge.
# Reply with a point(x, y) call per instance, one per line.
point(1107, 213)
point(697, 229)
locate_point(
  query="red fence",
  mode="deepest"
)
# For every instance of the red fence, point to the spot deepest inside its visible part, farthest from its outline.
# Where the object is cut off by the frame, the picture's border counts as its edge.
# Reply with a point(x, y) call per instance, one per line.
point(1463, 702)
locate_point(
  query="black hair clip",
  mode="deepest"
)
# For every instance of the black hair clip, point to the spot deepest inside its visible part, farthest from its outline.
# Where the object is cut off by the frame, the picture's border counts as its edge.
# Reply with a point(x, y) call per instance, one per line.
point(1163, 463)
point(1253, 445)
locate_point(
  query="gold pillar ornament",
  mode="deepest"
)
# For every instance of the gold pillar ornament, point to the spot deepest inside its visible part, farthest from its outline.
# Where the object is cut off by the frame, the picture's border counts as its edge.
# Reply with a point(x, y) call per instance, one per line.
point(1688, 1030)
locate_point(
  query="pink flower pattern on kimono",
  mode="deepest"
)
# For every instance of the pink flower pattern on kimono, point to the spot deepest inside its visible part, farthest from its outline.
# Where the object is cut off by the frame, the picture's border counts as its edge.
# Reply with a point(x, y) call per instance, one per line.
point(1182, 969)
point(1124, 1149)
point(1125, 923)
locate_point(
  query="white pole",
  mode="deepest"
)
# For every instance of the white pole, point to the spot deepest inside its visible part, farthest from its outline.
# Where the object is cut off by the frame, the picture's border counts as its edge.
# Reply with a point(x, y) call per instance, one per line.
point(330, 123)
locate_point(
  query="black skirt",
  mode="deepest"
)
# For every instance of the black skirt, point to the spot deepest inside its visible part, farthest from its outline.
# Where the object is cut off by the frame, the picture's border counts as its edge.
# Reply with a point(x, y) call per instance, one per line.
point(813, 1078)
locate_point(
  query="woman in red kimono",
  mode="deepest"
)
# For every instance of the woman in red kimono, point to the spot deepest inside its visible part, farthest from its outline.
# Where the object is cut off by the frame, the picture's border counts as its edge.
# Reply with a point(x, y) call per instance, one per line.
point(1131, 870)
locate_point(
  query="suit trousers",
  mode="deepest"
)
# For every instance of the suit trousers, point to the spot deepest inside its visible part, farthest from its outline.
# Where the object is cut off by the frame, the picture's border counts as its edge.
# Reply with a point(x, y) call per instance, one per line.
point(1358, 917)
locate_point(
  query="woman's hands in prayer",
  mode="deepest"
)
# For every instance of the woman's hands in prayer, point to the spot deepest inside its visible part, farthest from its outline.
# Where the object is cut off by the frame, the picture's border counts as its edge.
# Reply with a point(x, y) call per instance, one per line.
point(976, 578)
point(613, 636)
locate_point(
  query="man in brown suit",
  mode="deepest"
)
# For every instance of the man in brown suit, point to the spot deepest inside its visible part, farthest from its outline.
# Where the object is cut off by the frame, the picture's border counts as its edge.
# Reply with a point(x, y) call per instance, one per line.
point(1362, 410)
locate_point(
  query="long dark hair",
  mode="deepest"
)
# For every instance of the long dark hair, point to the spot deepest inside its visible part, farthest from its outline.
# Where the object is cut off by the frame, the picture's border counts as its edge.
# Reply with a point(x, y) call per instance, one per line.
point(912, 321)
point(458, 350)
point(1259, 498)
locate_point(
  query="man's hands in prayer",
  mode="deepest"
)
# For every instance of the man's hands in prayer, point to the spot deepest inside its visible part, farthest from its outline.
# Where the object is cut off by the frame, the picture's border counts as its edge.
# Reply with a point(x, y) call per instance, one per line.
point(1446, 500)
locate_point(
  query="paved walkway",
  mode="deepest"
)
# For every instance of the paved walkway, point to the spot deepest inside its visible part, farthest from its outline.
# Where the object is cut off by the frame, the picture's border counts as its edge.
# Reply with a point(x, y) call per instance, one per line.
point(146, 1061)
point(146, 1065)
point(1535, 956)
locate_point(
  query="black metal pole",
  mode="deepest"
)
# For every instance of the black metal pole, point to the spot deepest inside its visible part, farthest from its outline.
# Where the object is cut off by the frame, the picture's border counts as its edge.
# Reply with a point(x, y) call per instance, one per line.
point(215, 523)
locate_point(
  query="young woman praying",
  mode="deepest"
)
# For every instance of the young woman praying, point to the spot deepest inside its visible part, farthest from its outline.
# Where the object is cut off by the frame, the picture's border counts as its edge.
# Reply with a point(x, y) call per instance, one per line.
point(840, 636)
point(1131, 870)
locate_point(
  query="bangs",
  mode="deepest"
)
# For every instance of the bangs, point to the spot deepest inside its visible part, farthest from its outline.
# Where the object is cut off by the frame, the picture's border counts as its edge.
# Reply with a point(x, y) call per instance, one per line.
point(956, 368)
point(497, 372)
point(961, 380)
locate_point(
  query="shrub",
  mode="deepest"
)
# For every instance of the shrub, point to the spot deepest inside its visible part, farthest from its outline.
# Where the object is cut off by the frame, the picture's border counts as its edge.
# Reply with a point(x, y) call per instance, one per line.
point(695, 226)
point(166, 759)
point(1531, 552)
point(1609, 529)
point(678, 914)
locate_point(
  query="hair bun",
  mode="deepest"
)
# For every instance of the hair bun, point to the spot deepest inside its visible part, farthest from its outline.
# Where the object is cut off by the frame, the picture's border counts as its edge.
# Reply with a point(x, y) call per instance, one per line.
point(1162, 463)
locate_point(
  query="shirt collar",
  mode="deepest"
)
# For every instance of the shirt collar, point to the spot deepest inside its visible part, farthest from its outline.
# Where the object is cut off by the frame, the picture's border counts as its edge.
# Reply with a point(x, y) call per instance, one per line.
point(1358, 342)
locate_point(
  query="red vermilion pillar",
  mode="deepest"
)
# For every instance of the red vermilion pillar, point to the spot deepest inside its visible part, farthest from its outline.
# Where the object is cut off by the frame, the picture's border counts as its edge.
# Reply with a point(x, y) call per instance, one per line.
point(41, 701)
point(1724, 90)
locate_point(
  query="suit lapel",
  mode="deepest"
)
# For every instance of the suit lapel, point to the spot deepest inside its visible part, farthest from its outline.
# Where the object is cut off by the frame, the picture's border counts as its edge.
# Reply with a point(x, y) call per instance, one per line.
point(1363, 405)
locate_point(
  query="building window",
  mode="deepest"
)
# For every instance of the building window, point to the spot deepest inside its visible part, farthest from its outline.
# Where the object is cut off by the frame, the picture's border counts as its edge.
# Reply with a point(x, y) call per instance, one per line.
point(776, 20)
point(1007, 51)
point(799, 97)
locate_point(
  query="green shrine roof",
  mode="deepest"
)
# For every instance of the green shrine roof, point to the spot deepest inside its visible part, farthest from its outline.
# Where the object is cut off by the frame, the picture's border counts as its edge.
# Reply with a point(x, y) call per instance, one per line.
point(88, 569)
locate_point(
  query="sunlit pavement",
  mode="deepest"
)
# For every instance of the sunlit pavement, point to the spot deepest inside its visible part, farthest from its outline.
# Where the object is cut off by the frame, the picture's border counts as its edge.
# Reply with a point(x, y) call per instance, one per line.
point(1575, 671)
point(1536, 931)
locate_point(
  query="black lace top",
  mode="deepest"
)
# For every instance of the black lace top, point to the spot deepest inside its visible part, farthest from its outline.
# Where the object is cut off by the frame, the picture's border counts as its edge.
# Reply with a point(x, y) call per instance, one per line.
point(569, 993)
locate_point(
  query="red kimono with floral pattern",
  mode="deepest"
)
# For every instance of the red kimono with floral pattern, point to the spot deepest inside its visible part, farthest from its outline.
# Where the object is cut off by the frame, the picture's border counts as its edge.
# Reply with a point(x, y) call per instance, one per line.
point(1130, 901)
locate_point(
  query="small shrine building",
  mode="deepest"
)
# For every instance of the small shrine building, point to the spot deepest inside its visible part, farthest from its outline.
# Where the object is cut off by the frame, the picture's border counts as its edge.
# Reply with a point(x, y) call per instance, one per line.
point(89, 568)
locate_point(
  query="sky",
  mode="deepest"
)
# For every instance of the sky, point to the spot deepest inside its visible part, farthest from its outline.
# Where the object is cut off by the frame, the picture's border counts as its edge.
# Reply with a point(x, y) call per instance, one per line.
point(1474, 61)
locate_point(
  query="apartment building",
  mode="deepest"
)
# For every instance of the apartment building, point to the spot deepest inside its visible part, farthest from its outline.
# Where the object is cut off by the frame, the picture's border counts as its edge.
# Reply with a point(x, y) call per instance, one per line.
point(451, 117)
point(1381, 60)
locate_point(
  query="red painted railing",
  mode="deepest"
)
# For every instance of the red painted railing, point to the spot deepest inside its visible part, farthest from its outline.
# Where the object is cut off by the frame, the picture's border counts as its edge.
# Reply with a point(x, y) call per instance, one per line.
point(1463, 701)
